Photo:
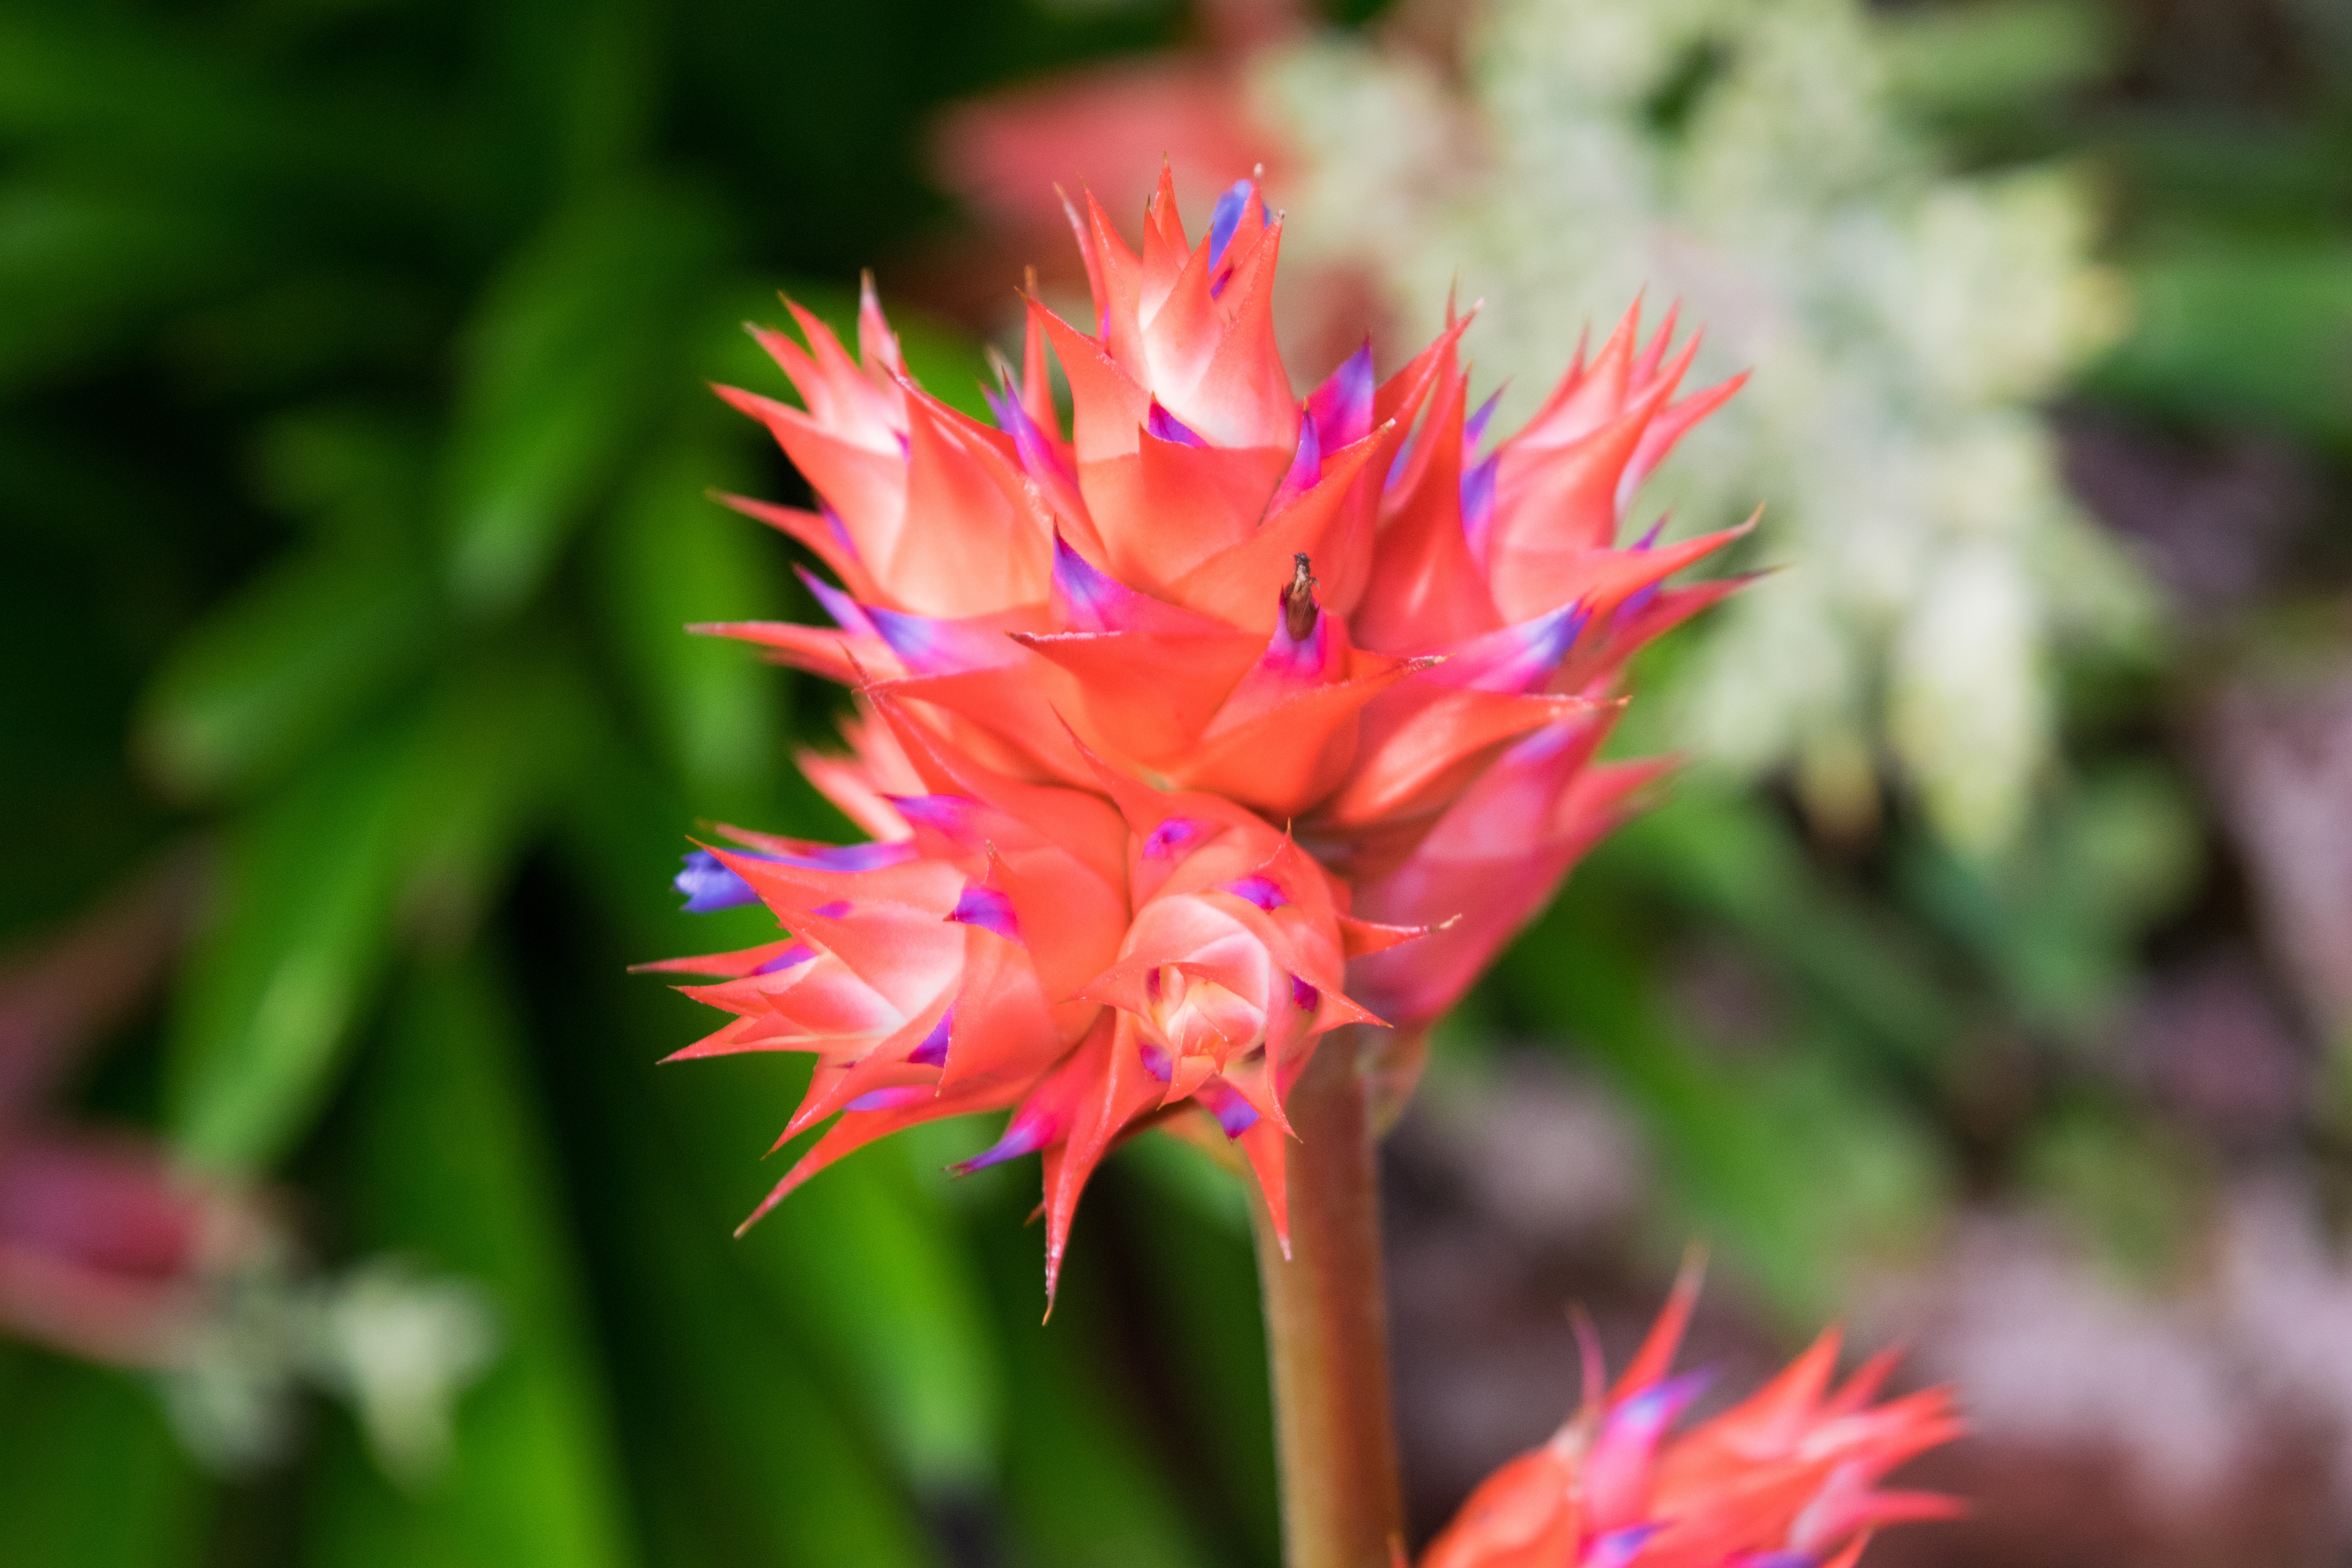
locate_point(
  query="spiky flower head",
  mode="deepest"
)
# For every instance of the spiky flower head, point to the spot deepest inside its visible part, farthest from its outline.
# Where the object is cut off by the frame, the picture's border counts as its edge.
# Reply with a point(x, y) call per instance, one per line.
point(1089, 959)
point(1171, 725)
point(1787, 1479)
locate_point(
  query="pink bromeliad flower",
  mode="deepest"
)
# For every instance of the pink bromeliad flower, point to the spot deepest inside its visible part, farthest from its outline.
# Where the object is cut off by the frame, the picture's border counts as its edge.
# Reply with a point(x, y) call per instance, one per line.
point(1091, 960)
point(1176, 724)
point(1787, 1479)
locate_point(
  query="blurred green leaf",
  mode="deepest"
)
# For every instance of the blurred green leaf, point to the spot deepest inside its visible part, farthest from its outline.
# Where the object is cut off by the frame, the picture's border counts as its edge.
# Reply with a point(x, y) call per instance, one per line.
point(84, 267)
point(277, 671)
point(2241, 332)
point(728, 1430)
point(1201, 1275)
point(2202, 175)
point(275, 985)
point(348, 473)
point(2059, 924)
point(90, 1475)
point(1727, 859)
point(184, 109)
point(573, 349)
point(284, 335)
point(416, 820)
point(77, 74)
point(609, 90)
point(451, 1170)
point(757, 1462)
point(1181, 1174)
point(1979, 59)
point(872, 1268)
point(623, 828)
point(1084, 1490)
point(672, 557)
point(500, 737)
point(862, 1262)
point(446, 276)
point(861, 1259)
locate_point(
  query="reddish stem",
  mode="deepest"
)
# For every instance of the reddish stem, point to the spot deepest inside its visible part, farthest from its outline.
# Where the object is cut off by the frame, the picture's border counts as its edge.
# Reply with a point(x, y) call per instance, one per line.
point(1327, 1327)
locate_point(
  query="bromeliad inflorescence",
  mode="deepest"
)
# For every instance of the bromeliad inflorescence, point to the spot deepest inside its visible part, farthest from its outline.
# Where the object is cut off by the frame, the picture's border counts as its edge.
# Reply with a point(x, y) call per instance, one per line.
point(1228, 725)
point(1174, 730)
point(1786, 1479)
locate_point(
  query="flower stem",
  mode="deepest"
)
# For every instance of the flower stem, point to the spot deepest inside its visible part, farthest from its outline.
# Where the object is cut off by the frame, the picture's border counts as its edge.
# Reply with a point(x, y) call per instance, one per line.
point(1326, 1326)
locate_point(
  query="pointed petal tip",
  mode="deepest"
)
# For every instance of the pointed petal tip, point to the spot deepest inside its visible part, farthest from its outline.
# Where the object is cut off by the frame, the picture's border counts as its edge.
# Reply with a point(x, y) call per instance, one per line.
point(1692, 1272)
point(1592, 1363)
point(775, 1195)
point(1052, 1279)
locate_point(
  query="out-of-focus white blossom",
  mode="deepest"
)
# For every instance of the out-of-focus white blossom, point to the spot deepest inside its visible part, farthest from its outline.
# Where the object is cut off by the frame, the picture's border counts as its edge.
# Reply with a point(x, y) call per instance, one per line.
point(398, 1345)
point(401, 1346)
point(1744, 158)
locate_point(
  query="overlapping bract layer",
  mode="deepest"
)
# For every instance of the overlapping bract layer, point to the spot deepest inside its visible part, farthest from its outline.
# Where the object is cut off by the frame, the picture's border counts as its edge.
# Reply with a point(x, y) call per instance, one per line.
point(1128, 590)
point(1209, 601)
point(1787, 1479)
point(1090, 960)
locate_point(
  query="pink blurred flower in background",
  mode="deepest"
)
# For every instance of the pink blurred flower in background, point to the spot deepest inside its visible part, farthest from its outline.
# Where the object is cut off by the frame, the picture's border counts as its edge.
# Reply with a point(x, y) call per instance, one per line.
point(1787, 1479)
point(112, 1251)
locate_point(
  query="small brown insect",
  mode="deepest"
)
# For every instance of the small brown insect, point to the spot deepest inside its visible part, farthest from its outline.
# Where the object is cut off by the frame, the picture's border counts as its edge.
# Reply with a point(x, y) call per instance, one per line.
point(1299, 608)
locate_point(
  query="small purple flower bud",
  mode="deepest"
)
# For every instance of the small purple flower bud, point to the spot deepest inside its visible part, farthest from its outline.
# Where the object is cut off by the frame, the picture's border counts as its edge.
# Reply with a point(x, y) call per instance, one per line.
point(987, 908)
point(1258, 890)
point(933, 1051)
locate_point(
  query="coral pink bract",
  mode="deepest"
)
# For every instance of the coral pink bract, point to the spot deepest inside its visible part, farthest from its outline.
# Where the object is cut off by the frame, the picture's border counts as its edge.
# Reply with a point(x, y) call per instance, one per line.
point(1364, 662)
point(1787, 1479)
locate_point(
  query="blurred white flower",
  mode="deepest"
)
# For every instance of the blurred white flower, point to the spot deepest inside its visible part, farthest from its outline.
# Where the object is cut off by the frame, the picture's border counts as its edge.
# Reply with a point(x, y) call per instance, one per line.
point(1745, 159)
point(398, 1346)
point(401, 1347)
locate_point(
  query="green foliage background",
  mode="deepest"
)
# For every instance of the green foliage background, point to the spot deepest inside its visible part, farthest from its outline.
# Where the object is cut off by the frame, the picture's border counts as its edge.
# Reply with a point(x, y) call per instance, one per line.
point(352, 452)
